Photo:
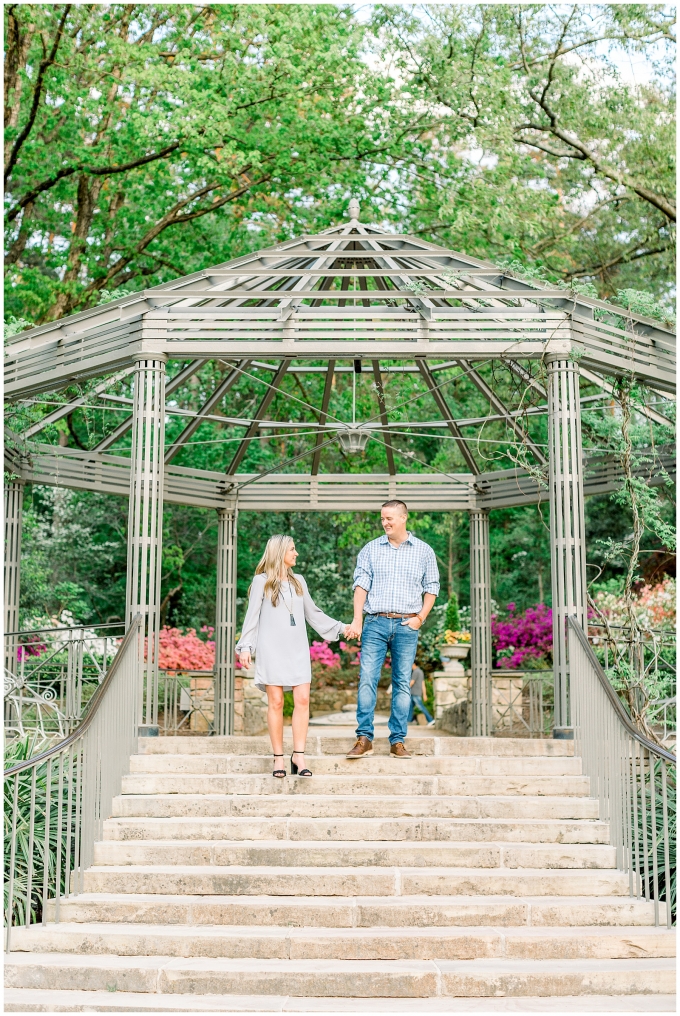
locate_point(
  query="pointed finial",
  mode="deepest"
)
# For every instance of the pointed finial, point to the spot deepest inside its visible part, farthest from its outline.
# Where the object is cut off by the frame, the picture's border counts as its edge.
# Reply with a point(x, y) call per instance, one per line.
point(354, 210)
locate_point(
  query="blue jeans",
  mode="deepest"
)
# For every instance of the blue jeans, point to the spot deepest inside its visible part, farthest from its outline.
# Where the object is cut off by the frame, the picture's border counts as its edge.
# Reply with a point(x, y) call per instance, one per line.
point(379, 635)
point(416, 700)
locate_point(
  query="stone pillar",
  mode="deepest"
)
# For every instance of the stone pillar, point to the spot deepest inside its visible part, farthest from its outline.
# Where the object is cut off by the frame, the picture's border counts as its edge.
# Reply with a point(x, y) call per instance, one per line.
point(226, 707)
point(145, 523)
point(567, 524)
point(14, 503)
point(480, 623)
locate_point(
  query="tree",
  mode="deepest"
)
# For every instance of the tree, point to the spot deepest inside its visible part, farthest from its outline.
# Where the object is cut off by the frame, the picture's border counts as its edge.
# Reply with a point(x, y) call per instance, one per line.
point(543, 153)
point(148, 141)
point(126, 123)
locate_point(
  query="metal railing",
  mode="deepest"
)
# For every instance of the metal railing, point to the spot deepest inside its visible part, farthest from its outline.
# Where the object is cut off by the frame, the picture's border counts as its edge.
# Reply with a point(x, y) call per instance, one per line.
point(522, 702)
point(634, 779)
point(54, 673)
point(186, 702)
point(56, 801)
point(651, 655)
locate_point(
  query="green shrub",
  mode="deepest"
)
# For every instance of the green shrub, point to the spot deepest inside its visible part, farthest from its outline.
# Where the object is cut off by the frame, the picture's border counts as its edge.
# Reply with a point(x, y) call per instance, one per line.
point(452, 615)
point(17, 751)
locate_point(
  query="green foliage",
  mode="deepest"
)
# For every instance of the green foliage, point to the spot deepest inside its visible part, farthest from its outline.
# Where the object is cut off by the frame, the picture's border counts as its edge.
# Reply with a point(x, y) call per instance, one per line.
point(641, 302)
point(192, 135)
point(14, 325)
point(544, 154)
point(643, 863)
point(197, 134)
point(650, 507)
point(89, 583)
point(452, 615)
point(165, 138)
point(44, 852)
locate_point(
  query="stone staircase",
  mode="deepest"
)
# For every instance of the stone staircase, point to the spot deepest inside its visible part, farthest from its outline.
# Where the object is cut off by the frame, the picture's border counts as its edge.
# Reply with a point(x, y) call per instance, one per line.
point(478, 868)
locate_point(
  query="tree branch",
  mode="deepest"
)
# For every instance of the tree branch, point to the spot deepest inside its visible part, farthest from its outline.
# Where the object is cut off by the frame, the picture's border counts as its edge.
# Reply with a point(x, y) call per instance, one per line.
point(623, 259)
point(89, 171)
point(545, 244)
point(583, 152)
point(42, 70)
point(171, 218)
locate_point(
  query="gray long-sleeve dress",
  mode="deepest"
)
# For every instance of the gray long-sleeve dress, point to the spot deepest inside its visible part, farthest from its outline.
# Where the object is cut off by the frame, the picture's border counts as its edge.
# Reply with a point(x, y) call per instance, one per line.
point(281, 650)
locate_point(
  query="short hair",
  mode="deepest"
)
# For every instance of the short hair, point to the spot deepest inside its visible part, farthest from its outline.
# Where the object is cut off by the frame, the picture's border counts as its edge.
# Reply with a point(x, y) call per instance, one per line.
point(395, 503)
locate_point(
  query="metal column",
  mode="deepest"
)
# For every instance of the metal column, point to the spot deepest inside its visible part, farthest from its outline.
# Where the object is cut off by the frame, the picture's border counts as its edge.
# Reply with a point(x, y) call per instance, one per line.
point(567, 525)
point(145, 522)
point(225, 619)
point(14, 503)
point(480, 622)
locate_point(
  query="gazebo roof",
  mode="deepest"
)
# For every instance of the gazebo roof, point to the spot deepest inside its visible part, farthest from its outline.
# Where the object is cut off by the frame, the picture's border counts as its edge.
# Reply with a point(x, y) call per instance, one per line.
point(352, 291)
point(331, 302)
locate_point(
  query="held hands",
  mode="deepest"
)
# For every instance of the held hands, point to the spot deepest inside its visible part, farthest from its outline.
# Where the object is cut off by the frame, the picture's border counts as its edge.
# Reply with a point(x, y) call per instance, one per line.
point(353, 630)
point(245, 659)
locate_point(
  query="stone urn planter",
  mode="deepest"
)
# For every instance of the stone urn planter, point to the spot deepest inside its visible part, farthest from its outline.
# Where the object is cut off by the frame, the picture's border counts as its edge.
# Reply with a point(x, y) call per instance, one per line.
point(451, 655)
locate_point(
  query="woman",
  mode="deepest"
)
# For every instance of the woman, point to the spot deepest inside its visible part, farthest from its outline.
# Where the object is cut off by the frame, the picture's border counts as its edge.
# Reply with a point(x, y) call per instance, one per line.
point(274, 629)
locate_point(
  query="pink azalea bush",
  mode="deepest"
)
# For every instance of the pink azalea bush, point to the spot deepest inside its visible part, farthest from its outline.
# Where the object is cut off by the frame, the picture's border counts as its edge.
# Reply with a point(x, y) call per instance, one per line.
point(522, 639)
point(321, 653)
point(178, 650)
point(352, 654)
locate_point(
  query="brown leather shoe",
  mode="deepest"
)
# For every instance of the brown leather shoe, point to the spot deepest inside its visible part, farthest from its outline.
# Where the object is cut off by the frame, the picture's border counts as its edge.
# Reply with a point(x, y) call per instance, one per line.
point(363, 747)
point(398, 750)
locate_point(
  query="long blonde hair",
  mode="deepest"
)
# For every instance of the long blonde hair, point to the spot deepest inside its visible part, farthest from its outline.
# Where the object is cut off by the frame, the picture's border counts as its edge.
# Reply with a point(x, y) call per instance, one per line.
point(271, 565)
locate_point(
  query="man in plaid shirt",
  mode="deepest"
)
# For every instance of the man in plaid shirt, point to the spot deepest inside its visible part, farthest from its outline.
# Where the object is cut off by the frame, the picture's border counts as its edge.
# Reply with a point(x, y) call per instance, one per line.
point(396, 582)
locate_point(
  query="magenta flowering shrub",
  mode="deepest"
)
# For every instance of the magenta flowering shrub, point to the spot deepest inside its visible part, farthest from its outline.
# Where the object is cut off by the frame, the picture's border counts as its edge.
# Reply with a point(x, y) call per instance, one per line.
point(321, 653)
point(522, 639)
point(31, 646)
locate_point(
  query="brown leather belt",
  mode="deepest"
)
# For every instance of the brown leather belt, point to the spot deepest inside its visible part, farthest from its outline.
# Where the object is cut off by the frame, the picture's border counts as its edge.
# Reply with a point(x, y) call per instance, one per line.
point(379, 613)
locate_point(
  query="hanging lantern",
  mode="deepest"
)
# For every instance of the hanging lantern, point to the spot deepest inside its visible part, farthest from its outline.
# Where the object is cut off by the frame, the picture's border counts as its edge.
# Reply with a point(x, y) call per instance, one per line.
point(353, 440)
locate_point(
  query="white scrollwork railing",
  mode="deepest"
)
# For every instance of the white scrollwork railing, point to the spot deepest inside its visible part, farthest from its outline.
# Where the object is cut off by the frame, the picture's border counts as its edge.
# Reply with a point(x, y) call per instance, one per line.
point(54, 672)
point(57, 800)
point(634, 779)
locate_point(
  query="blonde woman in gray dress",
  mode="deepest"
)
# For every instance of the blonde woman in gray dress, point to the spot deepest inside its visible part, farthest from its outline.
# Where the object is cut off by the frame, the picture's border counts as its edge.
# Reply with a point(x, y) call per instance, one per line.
point(274, 631)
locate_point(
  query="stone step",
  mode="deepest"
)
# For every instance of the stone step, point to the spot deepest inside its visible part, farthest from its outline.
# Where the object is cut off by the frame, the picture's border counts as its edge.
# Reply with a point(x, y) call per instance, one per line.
point(37, 1000)
point(341, 978)
point(549, 786)
point(374, 765)
point(358, 853)
point(324, 745)
point(354, 806)
point(431, 943)
point(357, 911)
point(342, 829)
point(359, 881)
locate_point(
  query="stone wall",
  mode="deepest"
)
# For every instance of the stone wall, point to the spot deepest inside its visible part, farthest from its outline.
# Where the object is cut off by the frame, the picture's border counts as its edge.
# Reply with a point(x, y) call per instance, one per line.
point(250, 704)
point(453, 696)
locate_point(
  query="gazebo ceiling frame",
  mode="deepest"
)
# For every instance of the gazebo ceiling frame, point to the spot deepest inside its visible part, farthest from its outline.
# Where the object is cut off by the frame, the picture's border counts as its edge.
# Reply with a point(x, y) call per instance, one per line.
point(282, 310)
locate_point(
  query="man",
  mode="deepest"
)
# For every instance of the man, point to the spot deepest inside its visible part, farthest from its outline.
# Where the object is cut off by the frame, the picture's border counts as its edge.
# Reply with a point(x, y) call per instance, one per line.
point(396, 582)
point(417, 679)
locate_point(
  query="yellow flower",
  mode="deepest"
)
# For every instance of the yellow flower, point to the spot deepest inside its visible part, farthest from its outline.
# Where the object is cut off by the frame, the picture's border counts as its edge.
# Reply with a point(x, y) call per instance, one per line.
point(453, 638)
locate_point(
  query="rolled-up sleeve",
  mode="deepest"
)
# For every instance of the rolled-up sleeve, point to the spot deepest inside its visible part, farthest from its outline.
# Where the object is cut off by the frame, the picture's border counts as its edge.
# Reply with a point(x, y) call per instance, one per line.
point(431, 576)
point(363, 573)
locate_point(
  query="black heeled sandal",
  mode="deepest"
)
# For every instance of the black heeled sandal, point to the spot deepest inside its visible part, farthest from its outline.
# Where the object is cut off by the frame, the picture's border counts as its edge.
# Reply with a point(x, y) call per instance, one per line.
point(294, 771)
point(279, 773)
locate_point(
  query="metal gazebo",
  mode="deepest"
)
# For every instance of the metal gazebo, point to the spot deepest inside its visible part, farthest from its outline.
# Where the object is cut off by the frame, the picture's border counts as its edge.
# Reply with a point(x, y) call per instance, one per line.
point(353, 297)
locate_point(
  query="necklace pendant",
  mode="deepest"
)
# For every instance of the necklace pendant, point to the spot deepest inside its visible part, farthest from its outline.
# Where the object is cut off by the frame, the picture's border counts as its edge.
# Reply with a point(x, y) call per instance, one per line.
point(292, 621)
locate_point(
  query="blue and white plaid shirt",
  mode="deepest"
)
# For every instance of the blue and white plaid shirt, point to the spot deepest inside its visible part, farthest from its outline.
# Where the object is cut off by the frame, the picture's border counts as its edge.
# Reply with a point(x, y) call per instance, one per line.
point(396, 577)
